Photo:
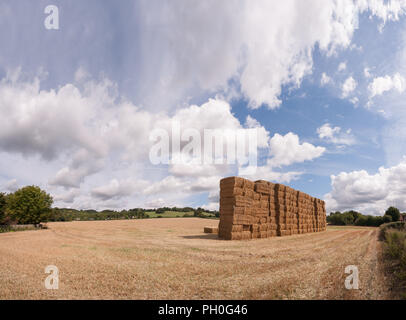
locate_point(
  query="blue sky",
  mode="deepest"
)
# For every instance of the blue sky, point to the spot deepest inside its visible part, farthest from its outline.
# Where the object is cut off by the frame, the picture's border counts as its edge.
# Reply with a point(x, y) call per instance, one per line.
point(323, 82)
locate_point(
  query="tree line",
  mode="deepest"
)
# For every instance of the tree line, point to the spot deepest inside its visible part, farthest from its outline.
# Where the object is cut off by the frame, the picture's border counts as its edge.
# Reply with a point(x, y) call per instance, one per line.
point(355, 218)
point(31, 205)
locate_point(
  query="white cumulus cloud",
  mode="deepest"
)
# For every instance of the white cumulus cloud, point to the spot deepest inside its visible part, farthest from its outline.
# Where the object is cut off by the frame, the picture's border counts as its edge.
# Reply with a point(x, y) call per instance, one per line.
point(261, 45)
point(349, 86)
point(325, 79)
point(334, 135)
point(368, 193)
point(286, 150)
point(342, 66)
point(380, 85)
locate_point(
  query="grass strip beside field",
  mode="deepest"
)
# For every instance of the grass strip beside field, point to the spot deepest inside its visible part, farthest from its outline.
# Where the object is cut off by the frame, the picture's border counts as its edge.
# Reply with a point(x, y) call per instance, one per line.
point(394, 237)
point(4, 229)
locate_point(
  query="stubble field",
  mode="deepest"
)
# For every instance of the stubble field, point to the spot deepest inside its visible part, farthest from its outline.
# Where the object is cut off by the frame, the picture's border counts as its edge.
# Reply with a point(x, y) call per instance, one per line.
point(174, 259)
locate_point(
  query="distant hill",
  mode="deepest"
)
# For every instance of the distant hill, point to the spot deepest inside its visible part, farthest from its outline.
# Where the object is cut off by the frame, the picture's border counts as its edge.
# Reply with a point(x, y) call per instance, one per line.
point(67, 214)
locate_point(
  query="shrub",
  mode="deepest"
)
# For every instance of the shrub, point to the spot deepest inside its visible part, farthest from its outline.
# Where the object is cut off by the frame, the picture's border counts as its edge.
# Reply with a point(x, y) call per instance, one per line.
point(4, 229)
point(395, 243)
point(14, 228)
point(394, 246)
point(398, 225)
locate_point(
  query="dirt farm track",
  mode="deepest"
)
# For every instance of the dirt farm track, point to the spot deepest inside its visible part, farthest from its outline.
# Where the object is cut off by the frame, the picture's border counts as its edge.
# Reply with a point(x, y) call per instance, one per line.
point(174, 259)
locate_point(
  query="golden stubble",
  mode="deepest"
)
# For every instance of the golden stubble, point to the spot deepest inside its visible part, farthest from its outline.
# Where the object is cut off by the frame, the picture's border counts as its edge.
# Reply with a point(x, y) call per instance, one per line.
point(174, 259)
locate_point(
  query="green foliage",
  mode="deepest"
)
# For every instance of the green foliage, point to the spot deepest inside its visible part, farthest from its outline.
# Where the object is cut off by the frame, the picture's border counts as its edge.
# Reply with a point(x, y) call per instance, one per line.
point(343, 219)
point(13, 228)
point(187, 215)
point(395, 244)
point(394, 213)
point(174, 209)
point(64, 214)
point(198, 213)
point(29, 205)
point(361, 221)
point(398, 225)
point(374, 221)
point(394, 235)
point(350, 218)
point(2, 207)
point(387, 218)
point(336, 218)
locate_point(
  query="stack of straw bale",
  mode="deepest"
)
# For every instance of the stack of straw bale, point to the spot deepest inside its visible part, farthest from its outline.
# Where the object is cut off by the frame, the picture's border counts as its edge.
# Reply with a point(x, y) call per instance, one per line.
point(261, 209)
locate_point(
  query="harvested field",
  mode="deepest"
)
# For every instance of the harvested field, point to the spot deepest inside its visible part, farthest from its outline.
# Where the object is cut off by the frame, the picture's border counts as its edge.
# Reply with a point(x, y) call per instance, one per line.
point(174, 259)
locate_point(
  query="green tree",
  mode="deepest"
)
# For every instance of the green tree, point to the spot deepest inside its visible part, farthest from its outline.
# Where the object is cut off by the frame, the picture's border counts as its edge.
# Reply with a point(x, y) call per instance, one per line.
point(378, 220)
point(349, 217)
point(394, 213)
point(29, 205)
point(354, 215)
point(361, 221)
point(387, 218)
point(336, 218)
point(2, 207)
point(160, 211)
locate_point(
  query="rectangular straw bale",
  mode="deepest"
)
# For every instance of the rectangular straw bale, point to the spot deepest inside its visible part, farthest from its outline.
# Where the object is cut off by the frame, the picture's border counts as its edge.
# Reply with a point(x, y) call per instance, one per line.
point(232, 191)
point(249, 193)
point(232, 236)
point(280, 187)
point(263, 220)
point(231, 182)
point(263, 234)
point(238, 219)
point(262, 186)
point(211, 229)
point(245, 235)
point(271, 233)
point(238, 201)
point(255, 235)
point(272, 226)
point(230, 227)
